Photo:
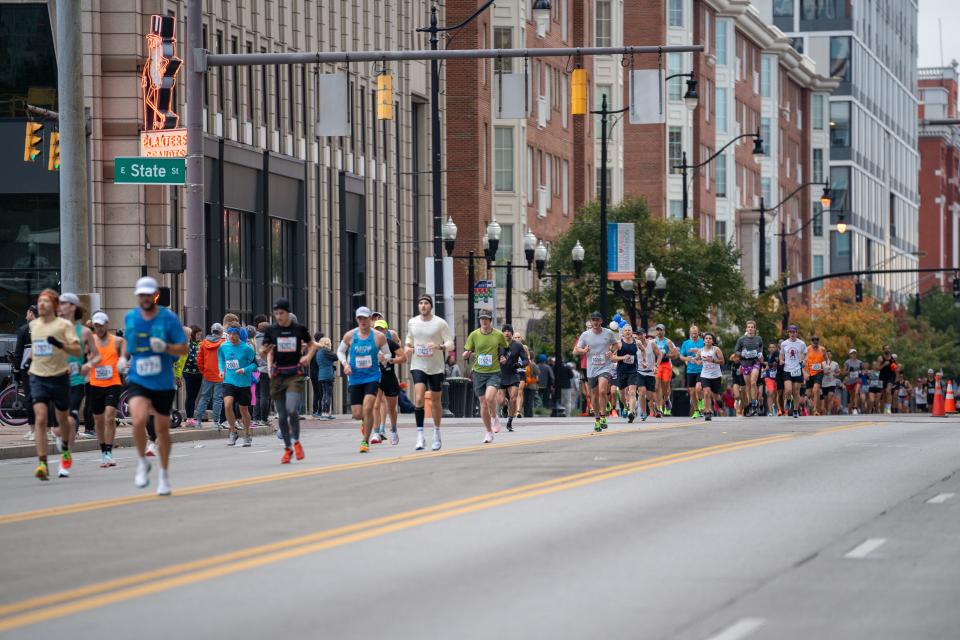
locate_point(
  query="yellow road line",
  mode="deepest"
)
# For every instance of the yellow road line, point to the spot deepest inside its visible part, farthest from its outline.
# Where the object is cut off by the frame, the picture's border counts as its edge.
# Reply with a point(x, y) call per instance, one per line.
point(107, 503)
point(56, 605)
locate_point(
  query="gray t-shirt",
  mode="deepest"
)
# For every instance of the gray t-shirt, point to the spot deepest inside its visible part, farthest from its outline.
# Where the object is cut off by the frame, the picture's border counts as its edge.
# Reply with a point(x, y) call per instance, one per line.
point(853, 367)
point(598, 345)
point(749, 347)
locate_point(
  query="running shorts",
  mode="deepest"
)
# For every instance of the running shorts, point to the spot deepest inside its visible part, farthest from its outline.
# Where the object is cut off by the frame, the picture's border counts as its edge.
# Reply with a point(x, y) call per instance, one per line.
point(625, 380)
point(389, 384)
point(55, 389)
point(814, 379)
point(692, 380)
point(747, 368)
point(359, 391)
point(714, 384)
point(162, 400)
point(434, 382)
point(102, 397)
point(595, 381)
point(648, 382)
point(665, 371)
point(771, 384)
point(241, 395)
point(483, 380)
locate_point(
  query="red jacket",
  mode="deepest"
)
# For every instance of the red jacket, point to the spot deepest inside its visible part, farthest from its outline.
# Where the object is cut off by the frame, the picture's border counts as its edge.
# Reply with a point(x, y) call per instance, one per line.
point(207, 359)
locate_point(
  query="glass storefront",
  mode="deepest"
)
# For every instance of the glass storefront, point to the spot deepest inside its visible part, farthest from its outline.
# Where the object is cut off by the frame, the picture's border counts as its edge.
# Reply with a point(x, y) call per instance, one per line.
point(29, 71)
point(29, 253)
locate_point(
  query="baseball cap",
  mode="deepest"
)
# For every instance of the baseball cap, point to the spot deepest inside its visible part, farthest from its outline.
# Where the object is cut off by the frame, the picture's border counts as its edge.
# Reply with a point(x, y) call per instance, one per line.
point(69, 297)
point(362, 312)
point(374, 314)
point(929, 371)
point(100, 318)
point(145, 286)
point(792, 327)
point(659, 327)
point(507, 327)
point(486, 314)
point(216, 327)
point(234, 330)
point(380, 324)
point(282, 304)
point(596, 315)
point(851, 351)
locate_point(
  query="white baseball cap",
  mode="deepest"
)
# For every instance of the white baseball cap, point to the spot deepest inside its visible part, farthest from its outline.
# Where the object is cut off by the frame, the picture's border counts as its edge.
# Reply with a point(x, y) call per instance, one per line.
point(146, 286)
point(100, 318)
point(71, 298)
point(362, 312)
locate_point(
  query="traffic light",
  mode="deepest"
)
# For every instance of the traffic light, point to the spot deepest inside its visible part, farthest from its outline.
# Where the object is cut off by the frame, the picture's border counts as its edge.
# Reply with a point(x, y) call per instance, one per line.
point(578, 92)
point(53, 158)
point(384, 96)
point(858, 289)
point(163, 296)
point(33, 142)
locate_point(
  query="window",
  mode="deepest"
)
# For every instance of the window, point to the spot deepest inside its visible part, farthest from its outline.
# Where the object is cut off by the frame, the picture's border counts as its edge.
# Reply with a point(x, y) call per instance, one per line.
point(221, 91)
point(250, 89)
point(609, 178)
point(604, 20)
point(818, 165)
point(264, 93)
point(826, 9)
point(530, 186)
point(237, 261)
point(721, 38)
point(504, 253)
point(503, 158)
point(676, 209)
point(277, 93)
point(282, 253)
point(30, 66)
point(840, 124)
point(720, 230)
point(782, 8)
point(765, 191)
point(818, 111)
point(675, 13)
point(721, 175)
point(817, 219)
point(235, 80)
point(674, 148)
point(840, 184)
point(766, 88)
point(721, 110)
point(765, 135)
point(817, 271)
point(840, 58)
point(503, 39)
point(675, 66)
point(565, 179)
point(766, 257)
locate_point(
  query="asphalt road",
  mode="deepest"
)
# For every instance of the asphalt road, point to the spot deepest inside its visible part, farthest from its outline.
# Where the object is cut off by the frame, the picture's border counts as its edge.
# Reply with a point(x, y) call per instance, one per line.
point(760, 528)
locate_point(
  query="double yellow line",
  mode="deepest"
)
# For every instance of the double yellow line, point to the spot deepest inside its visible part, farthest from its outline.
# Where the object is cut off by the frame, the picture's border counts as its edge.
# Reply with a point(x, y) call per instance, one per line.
point(57, 605)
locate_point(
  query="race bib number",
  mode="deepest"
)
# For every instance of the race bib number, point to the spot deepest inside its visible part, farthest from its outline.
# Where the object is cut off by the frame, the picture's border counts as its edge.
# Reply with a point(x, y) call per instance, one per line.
point(817, 367)
point(42, 348)
point(103, 373)
point(628, 359)
point(287, 344)
point(149, 366)
point(423, 351)
point(749, 355)
point(232, 365)
point(363, 362)
point(598, 360)
point(484, 360)
point(74, 368)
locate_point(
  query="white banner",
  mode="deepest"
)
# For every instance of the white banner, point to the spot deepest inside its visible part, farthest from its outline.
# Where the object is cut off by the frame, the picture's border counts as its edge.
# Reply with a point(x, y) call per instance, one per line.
point(648, 97)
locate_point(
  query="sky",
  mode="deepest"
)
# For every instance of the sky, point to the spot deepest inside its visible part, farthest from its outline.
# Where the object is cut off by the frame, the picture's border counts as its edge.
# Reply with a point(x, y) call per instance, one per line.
point(946, 12)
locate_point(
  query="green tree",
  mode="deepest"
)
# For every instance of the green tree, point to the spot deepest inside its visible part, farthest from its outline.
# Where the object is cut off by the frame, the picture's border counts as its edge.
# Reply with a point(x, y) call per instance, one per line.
point(920, 346)
point(939, 309)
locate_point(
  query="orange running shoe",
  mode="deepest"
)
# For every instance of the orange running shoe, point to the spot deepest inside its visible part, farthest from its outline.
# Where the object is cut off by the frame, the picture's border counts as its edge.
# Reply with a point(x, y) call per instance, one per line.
point(298, 449)
point(364, 447)
point(287, 454)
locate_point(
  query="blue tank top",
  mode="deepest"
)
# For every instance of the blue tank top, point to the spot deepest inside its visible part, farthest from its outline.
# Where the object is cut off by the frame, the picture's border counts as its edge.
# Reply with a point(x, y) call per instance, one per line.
point(662, 345)
point(363, 359)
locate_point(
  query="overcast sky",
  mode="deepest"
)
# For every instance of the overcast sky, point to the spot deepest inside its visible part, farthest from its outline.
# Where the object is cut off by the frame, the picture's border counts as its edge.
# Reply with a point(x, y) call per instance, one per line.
point(932, 13)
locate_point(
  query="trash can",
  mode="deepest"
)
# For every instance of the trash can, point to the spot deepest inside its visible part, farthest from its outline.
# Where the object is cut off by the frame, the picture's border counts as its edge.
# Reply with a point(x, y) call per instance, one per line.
point(459, 391)
point(681, 402)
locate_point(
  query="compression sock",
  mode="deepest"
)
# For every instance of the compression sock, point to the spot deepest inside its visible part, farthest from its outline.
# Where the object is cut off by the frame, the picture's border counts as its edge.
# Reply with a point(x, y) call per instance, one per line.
point(418, 414)
point(103, 448)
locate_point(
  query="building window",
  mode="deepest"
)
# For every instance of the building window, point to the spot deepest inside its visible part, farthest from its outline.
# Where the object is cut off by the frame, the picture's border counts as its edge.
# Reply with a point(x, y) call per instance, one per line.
point(675, 13)
point(818, 219)
point(818, 111)
point(782, 8)
point(237, 262)
point(720, 230)
point(818, 165)
point(250, 89)
point(565, 179)
point(221, 91)
point(235, 81)
point(504, 253)
point(721, 175)
point(825, 9)
point(282, 254)
point(674, 148)
point(609, 178)
point(604, 19)
point(503, 158)
point(503, 39)
point(840, 124)
point(840, 58)
point(765, 135)
point(676, 209)
point(721, 37)
point(765, 191)
point(817, 271)
point(531, 189)
point(840, 184)
point(766, 88)
point(675, 66)
point(721, 110)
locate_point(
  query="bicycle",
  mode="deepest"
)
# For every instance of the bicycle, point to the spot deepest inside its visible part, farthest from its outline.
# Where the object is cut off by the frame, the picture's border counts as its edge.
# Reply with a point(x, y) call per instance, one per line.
point(13, 401)
point(123, 412)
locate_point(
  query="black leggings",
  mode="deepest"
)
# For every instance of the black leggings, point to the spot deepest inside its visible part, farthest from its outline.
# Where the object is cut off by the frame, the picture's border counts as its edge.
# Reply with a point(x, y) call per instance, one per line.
point(326, 397)
point(262, 410)
point(316, 394)
point(193, 382)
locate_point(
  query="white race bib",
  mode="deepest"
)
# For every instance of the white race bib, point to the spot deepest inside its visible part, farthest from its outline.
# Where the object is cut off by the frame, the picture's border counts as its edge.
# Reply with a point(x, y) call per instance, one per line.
point(484, 360)
point(148, 366)
point(42, 348)
point(232, 364)
point(423, 351)
point(750, 355)
point(103, 373)
point(628, 359)
point(816, 367)
point(74, 368)
point(598, 360)
point(363, 362)
point(287, 344)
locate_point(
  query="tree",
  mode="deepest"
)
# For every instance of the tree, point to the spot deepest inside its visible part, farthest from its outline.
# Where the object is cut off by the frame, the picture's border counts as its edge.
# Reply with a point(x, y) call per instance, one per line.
point(842, 323)
point(920, 346)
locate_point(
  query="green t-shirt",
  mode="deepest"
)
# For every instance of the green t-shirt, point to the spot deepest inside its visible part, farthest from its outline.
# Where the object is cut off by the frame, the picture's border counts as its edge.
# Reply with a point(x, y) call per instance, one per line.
point(486, 349)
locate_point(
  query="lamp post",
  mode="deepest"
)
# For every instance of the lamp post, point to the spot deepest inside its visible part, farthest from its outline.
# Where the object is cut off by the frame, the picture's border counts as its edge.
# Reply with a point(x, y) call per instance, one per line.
point(684, 167)
point(841, 229)
point(540, 258)
point(826, 198)
point(652, 296)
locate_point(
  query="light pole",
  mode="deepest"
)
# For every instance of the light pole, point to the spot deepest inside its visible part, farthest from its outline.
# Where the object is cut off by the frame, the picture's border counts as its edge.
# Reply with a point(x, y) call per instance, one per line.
point(841, 229)
point(684, 167)
point(627, 292)
point(826, 198)
point(540, 257)
point(491, 242)
point(652, 296)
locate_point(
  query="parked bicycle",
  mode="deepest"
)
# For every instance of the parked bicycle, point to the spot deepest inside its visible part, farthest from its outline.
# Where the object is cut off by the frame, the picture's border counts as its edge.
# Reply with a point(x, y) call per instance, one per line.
point(13, 401)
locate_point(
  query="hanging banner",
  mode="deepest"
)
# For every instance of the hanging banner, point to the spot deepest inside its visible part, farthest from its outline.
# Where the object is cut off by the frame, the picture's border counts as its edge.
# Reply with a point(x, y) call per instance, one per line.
point(647, 97)
point(621, 251)
point(333, 106)
point(513, 101)
point(485, 295)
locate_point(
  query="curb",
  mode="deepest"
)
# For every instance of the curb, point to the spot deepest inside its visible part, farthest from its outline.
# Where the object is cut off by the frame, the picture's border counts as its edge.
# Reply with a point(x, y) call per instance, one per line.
point(183, 434)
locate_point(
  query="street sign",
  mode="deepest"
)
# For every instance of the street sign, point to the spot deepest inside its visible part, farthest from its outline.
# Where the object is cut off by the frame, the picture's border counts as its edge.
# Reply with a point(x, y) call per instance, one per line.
point(621, 252)
point(149, 170)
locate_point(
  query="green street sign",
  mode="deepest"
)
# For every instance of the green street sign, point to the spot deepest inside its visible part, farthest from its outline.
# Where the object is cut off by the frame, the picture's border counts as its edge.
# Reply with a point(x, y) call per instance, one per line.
point(149, 170)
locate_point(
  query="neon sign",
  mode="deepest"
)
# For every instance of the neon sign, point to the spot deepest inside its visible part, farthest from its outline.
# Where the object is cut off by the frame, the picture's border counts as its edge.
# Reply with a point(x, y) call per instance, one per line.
point(159, 77)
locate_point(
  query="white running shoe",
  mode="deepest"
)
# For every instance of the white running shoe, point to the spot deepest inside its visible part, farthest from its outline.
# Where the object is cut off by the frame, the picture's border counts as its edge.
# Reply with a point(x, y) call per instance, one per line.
point(856, 412)
point(142, 478)
point(375, 438)
point(151, 449)
point(248, 441)
point(487, 437)
point(232, 439)
point(163, 484)
point(496, 424)
point(63, 471)
point(29, 435)
point(394, 437)
point(436, 440)
point(419, 440)
point(110, 461)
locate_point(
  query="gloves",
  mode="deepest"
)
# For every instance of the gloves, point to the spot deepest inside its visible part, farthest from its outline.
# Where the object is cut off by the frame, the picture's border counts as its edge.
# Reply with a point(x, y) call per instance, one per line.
point(123, 365)
point(55, 342)
point(158, 345)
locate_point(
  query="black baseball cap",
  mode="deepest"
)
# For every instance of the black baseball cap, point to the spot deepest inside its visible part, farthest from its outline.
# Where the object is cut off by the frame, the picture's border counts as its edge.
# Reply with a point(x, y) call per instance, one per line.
point(596, 315)
point(507, 327)
point(486, 314)
point(281, 303)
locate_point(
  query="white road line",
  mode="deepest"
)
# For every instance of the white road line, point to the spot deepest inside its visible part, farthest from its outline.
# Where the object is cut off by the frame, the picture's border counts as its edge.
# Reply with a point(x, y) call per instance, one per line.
point(739, 629)
point(865, 548)
point(940, 498)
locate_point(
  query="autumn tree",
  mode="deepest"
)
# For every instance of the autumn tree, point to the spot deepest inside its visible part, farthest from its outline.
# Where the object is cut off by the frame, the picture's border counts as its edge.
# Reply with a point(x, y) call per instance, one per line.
point(843, 323)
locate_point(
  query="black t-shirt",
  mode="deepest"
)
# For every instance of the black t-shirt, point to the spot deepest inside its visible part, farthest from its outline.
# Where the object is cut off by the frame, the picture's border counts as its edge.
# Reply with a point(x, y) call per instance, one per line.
point(288, 343)
point(514, 354)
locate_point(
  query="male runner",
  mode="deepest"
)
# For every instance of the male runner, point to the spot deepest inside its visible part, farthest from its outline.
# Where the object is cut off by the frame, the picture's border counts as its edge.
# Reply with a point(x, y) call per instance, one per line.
point(156, 339)
point(236, 361)
point(648, 355)
point(931, 385)
point(288, 348)
point(361, 351)
point(598, 344)
point(793, 353)
point(688, 354)
point(428, 338)
point(816, 355)
point(513, 363)
point(53, 341)
point(389, 393)
point(105, 385)
point(852, 368)
point(888, 375)
point(748, 352)
point(628, 376)
point(80, 365)
point(664, 371)
point(487, 343)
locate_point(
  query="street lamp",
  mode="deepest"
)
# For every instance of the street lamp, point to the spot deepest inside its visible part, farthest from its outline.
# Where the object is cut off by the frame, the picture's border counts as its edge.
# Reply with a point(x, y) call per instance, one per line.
point(841, 229)
point(493, 237)
point(684, 167)
point(541, 16)
point(449, 232)
point(529, 246)
point(652, 295)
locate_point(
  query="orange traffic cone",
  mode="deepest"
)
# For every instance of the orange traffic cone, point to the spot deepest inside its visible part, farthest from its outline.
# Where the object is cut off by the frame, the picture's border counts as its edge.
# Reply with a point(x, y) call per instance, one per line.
point(937, 400)
point(949, 405)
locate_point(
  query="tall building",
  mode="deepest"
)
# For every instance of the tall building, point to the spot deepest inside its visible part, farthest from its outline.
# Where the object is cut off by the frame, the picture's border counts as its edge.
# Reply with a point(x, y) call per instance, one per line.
point(871, 49)
point(939, 175)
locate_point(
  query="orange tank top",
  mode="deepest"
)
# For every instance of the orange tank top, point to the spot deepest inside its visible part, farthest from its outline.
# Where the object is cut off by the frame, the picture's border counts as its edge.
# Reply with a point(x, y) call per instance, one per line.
point(105, 374)
point(815, 361)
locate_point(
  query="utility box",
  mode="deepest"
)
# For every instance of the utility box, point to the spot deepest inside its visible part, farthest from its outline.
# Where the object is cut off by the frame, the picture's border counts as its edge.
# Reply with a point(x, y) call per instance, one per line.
point(173, 260)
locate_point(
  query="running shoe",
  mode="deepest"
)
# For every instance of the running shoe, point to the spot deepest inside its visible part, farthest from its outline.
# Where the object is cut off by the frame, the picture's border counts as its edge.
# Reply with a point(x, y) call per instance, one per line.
point(375, 438)
point(151, 449)
point(487, 437)
point(110, 461)
point(190, 423)
point(87, 435)
point(667, 411)
point(394, 436)
point(603, 422)
point(42, 472)
point(420, 441)
point(596, 425)
point(707, 417)
point(436, 440)
point(796, 414)
point(298, 450)
point(496, 424)
point(29, 435)
point(631, 416)
point(315, 416)
point(248, 441)
point(232, 439)
point(382, 432)
point(510, 424)
point(364, 446)
point(287, 455)
point(696, 414)
point(103, 460)
point(700, 405)
point(643, 417)
point(658, 414)
point(163, 485)
point(142, 478)
point(66, 462)
point(856, 412)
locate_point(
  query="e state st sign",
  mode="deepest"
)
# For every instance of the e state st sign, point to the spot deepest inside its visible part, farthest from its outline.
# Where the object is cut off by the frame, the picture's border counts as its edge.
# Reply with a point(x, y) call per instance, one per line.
point(149, 170)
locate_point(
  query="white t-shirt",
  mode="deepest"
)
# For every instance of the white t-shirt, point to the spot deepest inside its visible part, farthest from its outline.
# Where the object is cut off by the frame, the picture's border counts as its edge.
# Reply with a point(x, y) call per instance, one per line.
point(711, 370)
point(794, 353)
point(421, 333)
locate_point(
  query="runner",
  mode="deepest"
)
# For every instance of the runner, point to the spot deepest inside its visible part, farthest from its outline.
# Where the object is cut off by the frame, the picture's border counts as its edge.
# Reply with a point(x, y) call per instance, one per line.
point(487, 343)
point(80, 365)
point(815, 359)
point(688, 353)
point(852, 368)
point(361, 366)
point(53, 341)
point(920, 395)
point(389, 393)
point(237, 361)
point(874, 390)
point(513, 364)
point(106, 386)
point(931, 385)
point(773, 381)
point(289, 348)
point(156, 339)
point(830, 381)
point(598, 343)
point(628, 375)
point(428, 338)
point(748, 353)
point(710, 359)
point(888, 375)
point(793, 353)
point(664, 371)
point(649, 356)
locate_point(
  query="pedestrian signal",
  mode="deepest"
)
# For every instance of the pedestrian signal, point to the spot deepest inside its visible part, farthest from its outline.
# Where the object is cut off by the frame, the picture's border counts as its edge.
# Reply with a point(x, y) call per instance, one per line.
point(33, 142)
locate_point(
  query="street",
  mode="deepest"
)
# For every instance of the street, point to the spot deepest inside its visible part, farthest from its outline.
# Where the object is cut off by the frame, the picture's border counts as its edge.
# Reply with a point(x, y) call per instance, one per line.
point(832, 527)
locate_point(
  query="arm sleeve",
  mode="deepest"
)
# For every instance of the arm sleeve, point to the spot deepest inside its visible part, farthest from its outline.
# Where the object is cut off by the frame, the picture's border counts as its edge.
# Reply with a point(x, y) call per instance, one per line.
point(385, 350)
point(201, 357)
point(342, 352)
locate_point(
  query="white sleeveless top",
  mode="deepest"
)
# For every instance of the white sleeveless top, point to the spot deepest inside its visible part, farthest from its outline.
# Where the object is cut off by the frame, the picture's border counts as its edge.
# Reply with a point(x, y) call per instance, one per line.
point(711, 369)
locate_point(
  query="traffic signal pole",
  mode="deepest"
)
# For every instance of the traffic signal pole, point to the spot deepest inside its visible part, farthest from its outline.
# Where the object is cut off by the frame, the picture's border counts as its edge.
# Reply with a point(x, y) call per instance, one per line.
point(194, 236)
